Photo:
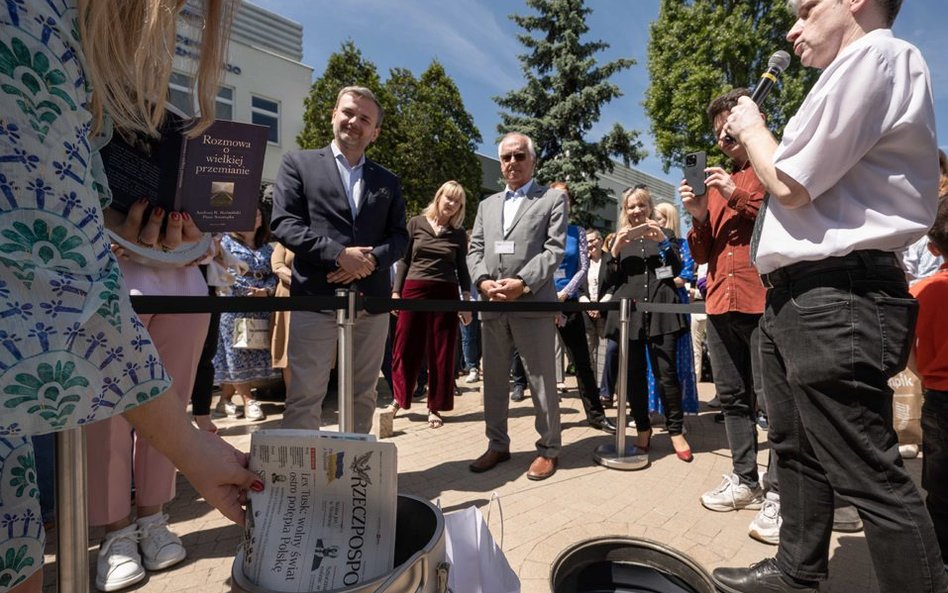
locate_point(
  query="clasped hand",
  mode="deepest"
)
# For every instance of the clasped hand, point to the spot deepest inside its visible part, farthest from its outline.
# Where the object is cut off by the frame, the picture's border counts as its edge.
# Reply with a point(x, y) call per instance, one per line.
point(505, 289)
point(354, 263)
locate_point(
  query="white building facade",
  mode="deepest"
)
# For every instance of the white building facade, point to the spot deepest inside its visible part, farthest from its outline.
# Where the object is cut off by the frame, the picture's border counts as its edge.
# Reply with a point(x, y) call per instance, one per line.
point(265, 81)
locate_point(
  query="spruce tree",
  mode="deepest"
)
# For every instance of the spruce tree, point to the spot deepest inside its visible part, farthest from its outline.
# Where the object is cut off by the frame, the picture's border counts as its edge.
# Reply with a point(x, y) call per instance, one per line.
point(562, 101)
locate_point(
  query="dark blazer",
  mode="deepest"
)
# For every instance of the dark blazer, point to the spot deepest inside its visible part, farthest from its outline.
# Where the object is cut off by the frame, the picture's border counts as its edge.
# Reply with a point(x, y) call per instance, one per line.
point(605, 275)
point(312, 218)
point(634, 276)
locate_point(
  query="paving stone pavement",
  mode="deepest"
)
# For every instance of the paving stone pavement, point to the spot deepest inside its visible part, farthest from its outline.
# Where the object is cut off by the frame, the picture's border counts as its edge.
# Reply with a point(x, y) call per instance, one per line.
point(541, 519)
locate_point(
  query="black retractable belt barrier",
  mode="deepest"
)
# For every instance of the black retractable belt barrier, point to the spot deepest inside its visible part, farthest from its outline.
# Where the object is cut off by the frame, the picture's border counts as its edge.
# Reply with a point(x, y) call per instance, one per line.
point(202, 304)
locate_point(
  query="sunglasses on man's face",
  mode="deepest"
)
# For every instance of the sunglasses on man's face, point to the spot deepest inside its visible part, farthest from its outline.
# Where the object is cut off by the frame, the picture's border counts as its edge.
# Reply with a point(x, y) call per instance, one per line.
point(513, 156)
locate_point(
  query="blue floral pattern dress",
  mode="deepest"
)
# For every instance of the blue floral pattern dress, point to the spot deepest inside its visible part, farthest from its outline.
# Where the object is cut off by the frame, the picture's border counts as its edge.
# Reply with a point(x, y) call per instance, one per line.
point(239, 365)
point(72, 351)
point(684, 349)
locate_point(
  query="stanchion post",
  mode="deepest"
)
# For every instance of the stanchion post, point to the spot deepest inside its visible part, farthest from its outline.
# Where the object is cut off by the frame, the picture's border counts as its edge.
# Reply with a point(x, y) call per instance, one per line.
point(72, 527)
point(620, 455)
point(345, 318)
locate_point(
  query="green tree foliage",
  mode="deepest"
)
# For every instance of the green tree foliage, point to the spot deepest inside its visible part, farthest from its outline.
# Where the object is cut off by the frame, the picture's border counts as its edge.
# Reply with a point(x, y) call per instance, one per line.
point(427, 137)
point(562, 100)
point(435, 139)
point(700, 49)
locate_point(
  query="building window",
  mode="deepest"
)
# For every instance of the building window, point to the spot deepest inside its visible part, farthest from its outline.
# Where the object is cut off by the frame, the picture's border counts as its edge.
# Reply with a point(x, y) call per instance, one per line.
point(180, 93)
point(266, 113)
point(224, 105)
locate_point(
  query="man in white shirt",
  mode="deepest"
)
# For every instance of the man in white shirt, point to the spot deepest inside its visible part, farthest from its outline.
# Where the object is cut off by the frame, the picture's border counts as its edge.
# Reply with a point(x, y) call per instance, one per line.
point(853, 181)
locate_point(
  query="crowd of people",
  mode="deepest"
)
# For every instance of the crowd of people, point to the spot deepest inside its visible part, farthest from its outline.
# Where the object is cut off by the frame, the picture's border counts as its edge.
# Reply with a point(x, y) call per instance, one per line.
point(808, 250)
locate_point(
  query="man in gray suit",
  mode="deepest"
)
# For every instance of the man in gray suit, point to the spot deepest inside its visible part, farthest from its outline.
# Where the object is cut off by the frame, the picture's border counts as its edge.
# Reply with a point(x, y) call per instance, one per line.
point(516, 246)
point(343, 217)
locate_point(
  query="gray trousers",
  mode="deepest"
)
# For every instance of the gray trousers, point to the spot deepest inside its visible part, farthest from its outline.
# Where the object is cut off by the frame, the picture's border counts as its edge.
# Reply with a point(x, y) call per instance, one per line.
point(534, 338)
point(311, 353)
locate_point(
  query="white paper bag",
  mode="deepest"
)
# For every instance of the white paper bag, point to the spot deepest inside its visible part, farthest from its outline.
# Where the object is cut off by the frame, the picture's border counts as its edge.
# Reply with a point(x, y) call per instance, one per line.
point(478, 565)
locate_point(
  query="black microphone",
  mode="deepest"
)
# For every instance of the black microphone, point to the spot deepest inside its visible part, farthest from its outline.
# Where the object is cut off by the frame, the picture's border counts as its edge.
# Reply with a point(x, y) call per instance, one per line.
point(775, 67)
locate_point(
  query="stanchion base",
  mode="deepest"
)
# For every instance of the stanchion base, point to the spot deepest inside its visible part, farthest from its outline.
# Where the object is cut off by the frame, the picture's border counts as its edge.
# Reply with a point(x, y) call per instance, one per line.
point(630, 460)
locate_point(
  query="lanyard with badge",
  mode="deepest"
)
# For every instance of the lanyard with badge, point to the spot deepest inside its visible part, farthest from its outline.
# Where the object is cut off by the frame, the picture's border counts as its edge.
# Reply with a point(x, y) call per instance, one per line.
point(664, 271)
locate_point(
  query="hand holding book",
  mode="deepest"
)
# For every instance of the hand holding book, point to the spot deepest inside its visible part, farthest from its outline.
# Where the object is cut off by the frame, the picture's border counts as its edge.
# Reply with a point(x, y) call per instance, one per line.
point(156, 237)
point(145, 228)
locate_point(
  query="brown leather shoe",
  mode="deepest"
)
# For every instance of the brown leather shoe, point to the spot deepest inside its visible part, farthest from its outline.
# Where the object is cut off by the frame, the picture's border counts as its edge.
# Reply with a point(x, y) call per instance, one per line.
point(542, 468)
point(489, 460)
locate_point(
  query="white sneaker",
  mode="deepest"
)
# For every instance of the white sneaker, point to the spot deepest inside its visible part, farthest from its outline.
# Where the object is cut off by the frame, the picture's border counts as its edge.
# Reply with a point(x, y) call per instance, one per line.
point(731, 495)
point(908, 451)
point(253, 411)
point(228, 409)
point(160, 547)
point(766, 525)
point(118, 564)
point(473, 376)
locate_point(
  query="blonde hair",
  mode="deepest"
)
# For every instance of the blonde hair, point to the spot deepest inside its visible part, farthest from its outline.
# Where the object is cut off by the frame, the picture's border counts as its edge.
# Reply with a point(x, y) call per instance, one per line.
point(672, 220)
point(635, 192)
point(452, 189)
point(129, 50)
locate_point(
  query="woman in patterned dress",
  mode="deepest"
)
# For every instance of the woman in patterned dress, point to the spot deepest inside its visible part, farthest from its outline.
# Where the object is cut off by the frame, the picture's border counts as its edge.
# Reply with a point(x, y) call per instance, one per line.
point(666, 214)
point(236, 368)
point(72, 351)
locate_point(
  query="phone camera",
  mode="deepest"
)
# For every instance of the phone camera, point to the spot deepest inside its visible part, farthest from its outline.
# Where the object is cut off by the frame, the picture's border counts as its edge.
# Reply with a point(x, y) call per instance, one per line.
point(691, 160)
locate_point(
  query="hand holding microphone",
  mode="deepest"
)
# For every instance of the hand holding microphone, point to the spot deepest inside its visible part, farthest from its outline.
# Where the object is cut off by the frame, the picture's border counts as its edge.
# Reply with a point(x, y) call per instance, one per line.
point(747, 112)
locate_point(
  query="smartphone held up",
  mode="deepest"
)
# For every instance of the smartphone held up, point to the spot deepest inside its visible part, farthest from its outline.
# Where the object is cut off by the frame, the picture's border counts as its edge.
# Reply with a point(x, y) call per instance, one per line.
point(695, 164)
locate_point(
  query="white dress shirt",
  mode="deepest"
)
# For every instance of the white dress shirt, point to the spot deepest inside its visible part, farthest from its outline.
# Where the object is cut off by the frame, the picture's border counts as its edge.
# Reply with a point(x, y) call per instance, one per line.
point(512, 200)
point(351, 176)
point(863, 145)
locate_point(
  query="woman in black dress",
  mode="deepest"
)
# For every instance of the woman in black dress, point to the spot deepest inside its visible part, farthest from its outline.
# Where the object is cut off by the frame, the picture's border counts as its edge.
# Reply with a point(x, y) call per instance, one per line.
point(646, 262)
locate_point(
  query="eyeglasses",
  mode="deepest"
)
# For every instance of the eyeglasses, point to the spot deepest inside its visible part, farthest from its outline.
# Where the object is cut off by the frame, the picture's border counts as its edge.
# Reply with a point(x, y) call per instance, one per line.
point(513, 156)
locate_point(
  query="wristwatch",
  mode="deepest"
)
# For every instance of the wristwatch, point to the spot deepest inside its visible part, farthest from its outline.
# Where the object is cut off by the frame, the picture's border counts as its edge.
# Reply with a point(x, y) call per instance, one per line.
point(526, 287)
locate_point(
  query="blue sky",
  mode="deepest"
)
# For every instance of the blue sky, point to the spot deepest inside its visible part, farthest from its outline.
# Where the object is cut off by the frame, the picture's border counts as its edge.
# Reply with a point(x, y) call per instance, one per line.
point(477, 45)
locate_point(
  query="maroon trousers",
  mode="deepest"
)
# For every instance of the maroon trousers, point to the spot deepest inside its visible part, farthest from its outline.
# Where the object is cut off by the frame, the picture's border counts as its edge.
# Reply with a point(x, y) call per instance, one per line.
point(421, 334)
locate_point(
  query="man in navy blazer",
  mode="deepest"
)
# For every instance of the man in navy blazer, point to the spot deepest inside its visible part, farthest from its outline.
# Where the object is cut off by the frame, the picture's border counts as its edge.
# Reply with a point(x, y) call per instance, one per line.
point(343, 217)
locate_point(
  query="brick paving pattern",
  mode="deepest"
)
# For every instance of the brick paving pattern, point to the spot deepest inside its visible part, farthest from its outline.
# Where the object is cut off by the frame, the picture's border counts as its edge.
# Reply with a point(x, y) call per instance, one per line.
point(541, 519)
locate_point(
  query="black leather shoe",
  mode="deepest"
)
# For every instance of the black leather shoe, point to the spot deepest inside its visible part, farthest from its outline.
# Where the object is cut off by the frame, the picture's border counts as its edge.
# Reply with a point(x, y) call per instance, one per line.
point(603, 424)
point(516, 394)
point(763, 577)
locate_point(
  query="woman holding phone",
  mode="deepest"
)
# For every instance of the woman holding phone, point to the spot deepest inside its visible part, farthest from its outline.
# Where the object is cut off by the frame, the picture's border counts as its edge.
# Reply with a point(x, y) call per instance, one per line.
point(647, 261)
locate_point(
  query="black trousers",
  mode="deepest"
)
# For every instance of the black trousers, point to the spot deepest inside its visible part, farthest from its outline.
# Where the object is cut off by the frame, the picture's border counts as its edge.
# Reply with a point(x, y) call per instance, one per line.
point(577, 348)
point(733, 346)
point(204, 377)
point(663, 351)
point(833, 333)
